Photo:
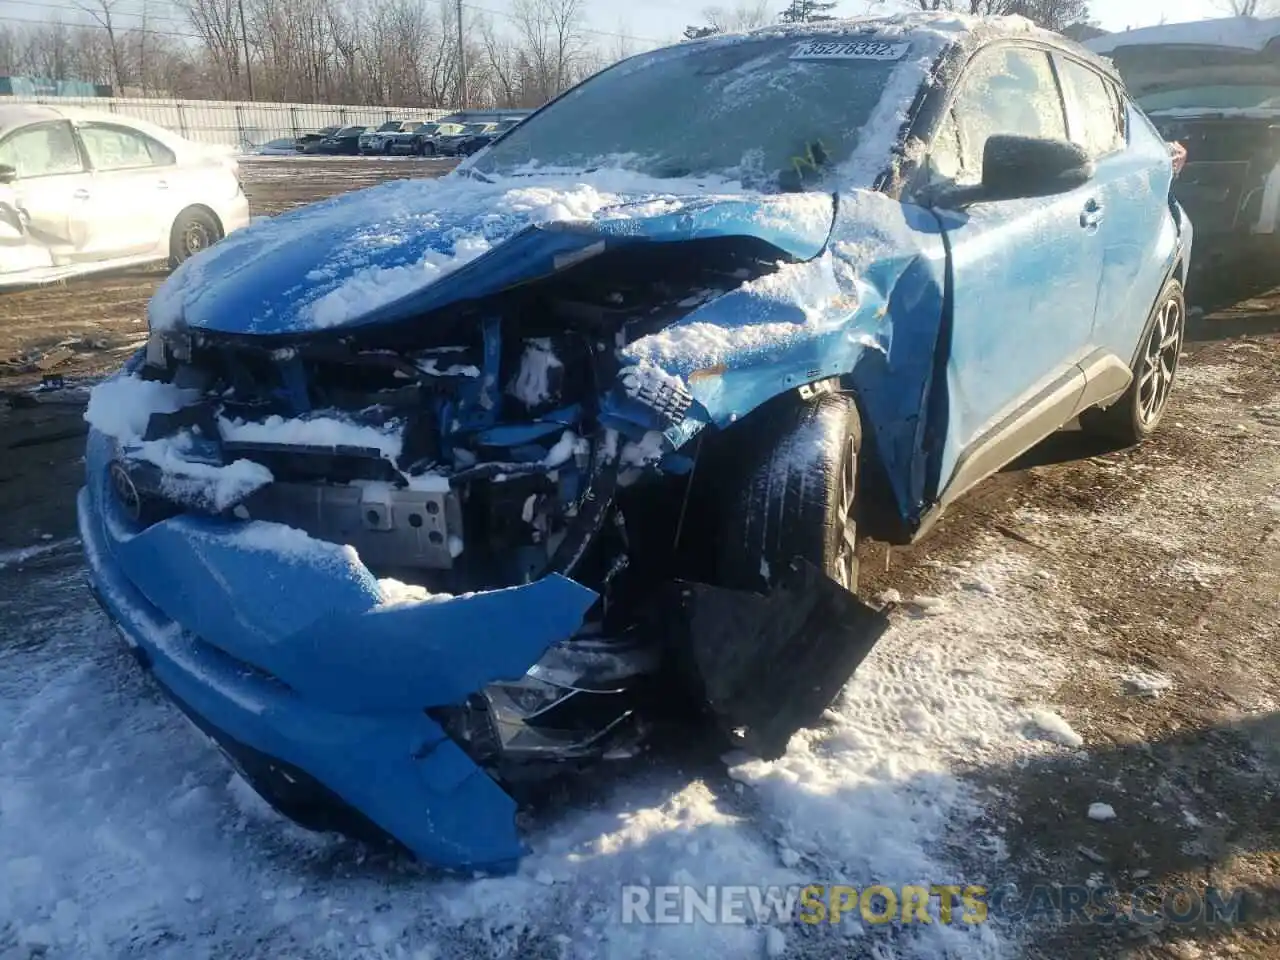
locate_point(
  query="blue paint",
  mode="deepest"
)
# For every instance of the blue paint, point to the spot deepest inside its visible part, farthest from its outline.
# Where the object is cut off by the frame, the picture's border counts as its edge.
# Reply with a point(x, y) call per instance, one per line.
point(336, 685)
point(939, 322)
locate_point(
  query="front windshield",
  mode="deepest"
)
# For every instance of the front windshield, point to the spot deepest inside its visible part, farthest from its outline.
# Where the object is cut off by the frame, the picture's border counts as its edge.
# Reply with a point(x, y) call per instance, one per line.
point(327, 131)
point(350, 131)
point(427, 128)
point(389, 126)
point(450, 129)
point(750, 110)
point(471, 129)
point(1164, 78)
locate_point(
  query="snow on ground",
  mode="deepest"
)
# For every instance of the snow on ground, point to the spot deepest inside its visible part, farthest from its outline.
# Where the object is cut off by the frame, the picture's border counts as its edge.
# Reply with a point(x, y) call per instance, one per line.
point(123, 831)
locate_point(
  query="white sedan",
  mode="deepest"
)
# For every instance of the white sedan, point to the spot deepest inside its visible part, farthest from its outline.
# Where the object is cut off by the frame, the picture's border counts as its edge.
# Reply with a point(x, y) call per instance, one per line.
point(83, 191)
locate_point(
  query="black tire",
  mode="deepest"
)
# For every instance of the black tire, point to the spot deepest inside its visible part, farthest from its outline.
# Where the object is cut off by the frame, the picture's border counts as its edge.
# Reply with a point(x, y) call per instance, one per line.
point(194, 230)
point(1137, 414)
point(796, 496)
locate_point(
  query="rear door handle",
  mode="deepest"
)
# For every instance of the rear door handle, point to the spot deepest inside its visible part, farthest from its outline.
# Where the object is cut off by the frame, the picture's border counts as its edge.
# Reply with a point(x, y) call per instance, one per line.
point(1092, 215)
point(81, 194)
point(162, 185)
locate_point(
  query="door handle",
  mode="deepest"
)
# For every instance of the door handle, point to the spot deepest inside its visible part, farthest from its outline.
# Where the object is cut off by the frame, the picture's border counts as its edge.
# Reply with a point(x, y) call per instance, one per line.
point(1092, 215)
point(162, 185)
point(81, 194)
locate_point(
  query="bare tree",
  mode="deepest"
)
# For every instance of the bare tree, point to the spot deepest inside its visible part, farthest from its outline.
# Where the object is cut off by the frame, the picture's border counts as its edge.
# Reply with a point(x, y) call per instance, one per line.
point(1247, 8)
point(103, 13)
point(745, 16)
point(552, 41)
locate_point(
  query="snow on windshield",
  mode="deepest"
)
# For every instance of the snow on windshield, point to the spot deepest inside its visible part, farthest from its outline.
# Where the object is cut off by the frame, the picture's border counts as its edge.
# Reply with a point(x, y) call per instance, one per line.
point(750, 110)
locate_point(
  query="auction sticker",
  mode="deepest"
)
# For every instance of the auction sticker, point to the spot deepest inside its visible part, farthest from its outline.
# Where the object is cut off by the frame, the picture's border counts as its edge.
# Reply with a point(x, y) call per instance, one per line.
point(850, 50)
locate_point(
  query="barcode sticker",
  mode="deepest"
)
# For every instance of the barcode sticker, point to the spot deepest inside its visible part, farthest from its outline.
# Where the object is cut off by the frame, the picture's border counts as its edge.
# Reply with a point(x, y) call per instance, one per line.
point(850, 50)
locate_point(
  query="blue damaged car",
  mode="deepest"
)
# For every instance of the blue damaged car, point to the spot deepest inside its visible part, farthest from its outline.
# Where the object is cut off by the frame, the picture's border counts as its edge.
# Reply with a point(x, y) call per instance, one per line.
point(425, 494)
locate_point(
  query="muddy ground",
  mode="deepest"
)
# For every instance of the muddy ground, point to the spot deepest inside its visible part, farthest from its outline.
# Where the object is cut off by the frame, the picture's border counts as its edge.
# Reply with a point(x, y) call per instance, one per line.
point(1159, 565)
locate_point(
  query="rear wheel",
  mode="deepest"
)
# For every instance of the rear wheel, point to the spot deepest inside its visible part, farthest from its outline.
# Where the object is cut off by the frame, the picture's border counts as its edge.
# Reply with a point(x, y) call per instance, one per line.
point(193, 231)
point(1135, 416)
point(797, 495)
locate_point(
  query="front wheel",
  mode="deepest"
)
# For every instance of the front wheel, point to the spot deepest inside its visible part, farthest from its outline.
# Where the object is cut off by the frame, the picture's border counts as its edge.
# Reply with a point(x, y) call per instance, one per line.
point(1135, 416)
point(193, 231)
point(797, 495)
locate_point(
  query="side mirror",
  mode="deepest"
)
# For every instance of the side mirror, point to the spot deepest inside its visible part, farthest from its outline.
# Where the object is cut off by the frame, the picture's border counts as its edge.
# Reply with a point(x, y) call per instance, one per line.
point(1017, 168)
point(8, 174)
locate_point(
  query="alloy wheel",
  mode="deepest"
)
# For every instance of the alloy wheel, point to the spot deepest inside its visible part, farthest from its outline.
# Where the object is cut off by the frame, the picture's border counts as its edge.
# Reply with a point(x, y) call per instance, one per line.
point(1160, 361)
point(195, 238)
point(846, 558)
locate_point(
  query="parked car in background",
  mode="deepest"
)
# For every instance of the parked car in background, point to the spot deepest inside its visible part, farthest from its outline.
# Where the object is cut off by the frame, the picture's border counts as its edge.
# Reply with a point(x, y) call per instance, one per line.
point(82, 191)
point(309, 142)
point(344, 141)
point(1214, 87)
point(450, 144)
point(476, 143)
point(469, 412)
point(409, 139)
point(281, 147)
point(429, 144)
point(375, 141)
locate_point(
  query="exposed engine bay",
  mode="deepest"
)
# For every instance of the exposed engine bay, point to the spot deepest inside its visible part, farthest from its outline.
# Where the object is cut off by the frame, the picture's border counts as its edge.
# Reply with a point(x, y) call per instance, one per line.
point(486, 446)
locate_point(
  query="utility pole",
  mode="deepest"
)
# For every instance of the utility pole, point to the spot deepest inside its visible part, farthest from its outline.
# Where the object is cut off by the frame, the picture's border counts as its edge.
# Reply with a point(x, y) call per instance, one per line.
point(244, 37)
point(462, 62)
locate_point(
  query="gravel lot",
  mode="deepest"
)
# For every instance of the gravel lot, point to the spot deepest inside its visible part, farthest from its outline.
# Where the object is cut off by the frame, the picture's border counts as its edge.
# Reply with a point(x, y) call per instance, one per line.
point(1128, 598)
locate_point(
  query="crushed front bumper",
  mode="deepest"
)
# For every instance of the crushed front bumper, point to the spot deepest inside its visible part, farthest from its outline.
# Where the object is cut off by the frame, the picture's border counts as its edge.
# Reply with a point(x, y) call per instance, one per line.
point(279, 648)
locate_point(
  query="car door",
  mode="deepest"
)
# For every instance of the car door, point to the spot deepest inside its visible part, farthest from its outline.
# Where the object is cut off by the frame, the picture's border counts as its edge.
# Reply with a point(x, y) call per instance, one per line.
point(49, 197)
point(1129, 204)
point(1023, 272)
point(133, 181)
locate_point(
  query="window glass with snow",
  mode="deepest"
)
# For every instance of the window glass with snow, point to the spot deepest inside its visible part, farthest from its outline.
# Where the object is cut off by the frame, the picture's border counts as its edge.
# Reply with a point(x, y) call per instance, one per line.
point(118, 148)
point(42, 150)
point(1095, 119)
point(750, 110)
point(1006, 90)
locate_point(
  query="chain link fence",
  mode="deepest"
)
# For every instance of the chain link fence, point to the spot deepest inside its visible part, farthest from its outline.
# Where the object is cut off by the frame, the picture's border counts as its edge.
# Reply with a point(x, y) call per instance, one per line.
point(241, 125)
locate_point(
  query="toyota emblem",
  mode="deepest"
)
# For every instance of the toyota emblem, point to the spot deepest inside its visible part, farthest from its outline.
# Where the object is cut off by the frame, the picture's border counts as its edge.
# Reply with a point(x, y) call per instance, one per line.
point(126, 492)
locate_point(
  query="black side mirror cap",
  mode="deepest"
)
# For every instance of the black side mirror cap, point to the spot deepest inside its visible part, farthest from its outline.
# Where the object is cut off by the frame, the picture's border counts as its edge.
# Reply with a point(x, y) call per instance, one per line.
point(8, 174)
point(1017, 167)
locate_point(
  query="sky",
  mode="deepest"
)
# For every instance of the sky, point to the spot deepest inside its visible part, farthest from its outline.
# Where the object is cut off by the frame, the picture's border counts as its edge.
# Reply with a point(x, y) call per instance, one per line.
point(647, 22)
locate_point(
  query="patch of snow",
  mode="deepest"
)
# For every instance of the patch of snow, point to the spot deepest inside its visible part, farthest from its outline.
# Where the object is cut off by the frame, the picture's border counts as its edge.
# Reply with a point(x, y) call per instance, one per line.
point(394, 593)
point(290, 543)
point(185, 479)
point(565, 448)
point(1147, 684)
point(532, 383)
point(20, 555)
point(318, 431)
point(121, 406)
point(650, 449)
point(1101, 812)
point(775, 942)
point(1050, 726)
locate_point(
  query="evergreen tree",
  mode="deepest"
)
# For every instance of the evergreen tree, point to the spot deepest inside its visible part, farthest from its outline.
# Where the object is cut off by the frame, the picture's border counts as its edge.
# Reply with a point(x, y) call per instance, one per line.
point(808, 11)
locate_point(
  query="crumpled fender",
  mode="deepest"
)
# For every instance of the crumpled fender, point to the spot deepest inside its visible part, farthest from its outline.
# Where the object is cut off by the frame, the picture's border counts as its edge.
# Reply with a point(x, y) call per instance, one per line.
point(869, 310)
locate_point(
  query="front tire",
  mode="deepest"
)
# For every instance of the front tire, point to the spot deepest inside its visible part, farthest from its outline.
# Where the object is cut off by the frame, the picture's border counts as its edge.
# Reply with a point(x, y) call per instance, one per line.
point(1135, 416)
point(194, 230)
point(797, 495)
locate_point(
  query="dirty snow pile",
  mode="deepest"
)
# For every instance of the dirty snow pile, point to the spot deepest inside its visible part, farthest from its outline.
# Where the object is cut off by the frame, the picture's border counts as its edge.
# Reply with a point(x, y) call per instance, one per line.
point(121, 830)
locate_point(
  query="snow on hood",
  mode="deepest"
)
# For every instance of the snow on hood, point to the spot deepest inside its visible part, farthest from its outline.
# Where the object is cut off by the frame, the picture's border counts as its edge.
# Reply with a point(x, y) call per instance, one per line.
point(1241, 33)
point(347, 259)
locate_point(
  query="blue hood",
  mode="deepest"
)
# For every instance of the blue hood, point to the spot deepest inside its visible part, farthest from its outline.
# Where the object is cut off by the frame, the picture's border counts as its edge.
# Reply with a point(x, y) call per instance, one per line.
point(401, 249)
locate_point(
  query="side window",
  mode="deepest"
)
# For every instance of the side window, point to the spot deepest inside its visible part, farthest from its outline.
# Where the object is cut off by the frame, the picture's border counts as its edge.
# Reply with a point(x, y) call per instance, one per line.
point(1096, 122)
point(1005, 90)
point(42, 150)
point(120, 148)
